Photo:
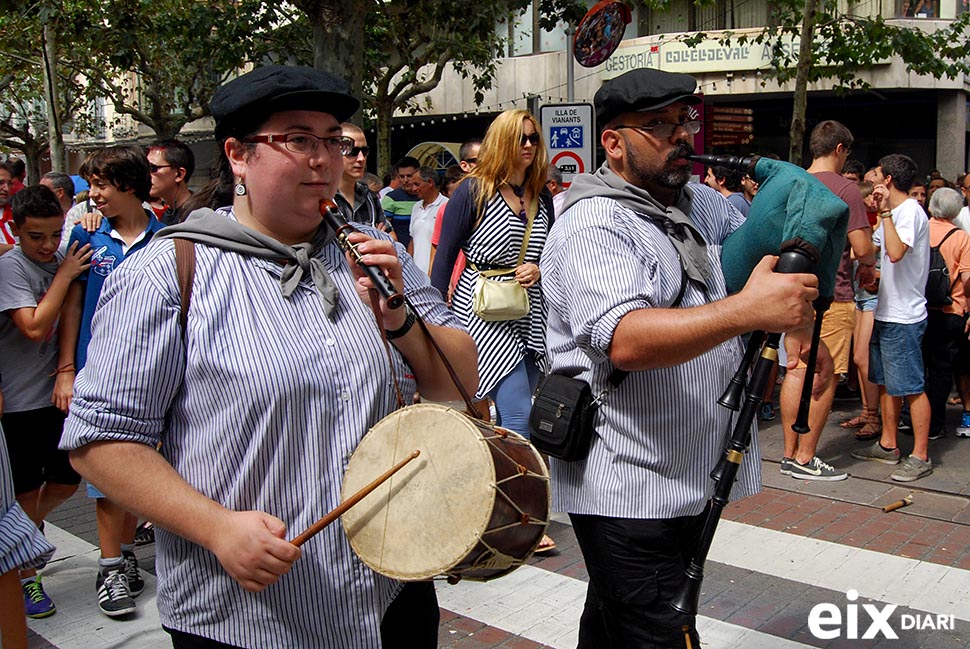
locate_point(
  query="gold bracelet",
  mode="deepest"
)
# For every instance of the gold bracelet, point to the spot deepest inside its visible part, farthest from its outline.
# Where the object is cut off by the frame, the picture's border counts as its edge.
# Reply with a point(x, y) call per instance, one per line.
point(884, 215)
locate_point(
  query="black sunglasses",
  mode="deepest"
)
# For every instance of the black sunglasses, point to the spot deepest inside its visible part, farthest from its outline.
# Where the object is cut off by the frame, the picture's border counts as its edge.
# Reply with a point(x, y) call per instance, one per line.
point(354, 151)
point(531, 139)
point(471, 160)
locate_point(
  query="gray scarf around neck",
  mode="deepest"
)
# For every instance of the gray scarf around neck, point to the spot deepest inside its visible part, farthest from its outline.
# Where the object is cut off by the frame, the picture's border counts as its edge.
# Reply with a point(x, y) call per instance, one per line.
point(673, 220)
point(221, 231)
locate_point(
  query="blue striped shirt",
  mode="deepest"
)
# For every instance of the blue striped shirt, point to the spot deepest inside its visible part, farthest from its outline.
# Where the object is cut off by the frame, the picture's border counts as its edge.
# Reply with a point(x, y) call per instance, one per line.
point(259, 407)
point(659, 435)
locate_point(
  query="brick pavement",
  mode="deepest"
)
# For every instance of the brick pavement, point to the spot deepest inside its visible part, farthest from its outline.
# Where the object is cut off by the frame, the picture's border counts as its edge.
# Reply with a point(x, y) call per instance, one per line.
point(859, 526)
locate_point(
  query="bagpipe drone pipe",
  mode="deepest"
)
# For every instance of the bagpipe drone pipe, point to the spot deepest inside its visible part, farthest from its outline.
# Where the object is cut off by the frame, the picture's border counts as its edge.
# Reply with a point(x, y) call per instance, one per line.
point(797, 218)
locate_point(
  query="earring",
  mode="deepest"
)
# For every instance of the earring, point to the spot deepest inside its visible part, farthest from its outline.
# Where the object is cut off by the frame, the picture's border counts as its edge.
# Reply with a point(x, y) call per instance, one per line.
point(240, 189)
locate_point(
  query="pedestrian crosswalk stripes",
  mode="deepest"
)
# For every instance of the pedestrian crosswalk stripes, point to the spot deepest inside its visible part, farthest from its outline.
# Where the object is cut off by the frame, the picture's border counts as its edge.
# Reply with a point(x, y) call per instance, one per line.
point(748, 566)
point(545, 607)
point(919, 585)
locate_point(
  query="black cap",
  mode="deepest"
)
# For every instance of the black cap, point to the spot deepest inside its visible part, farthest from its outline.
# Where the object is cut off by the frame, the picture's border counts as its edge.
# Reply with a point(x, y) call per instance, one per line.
point(244, 103)
point(640, 90)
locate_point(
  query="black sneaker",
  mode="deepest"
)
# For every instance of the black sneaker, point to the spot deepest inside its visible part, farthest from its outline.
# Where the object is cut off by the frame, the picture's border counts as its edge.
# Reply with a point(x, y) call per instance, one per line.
point(114, 597)
point(135, 583)
point(145, 534)
point(815, 469)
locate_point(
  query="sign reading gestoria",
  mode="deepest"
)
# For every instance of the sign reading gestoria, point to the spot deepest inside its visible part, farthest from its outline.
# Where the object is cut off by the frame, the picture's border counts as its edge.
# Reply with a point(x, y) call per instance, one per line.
point(710, 55)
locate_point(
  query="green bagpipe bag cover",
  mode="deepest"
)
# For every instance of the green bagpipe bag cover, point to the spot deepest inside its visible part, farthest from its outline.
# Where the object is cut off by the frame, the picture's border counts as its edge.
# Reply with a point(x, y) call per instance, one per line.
point(792, 209)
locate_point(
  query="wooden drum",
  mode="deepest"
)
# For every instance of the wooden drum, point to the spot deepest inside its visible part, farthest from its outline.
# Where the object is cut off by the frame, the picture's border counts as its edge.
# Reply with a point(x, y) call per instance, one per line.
point(473, 505)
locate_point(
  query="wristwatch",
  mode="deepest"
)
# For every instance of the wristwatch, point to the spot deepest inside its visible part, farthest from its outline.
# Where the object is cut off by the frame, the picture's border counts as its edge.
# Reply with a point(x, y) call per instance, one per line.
point(401, 331)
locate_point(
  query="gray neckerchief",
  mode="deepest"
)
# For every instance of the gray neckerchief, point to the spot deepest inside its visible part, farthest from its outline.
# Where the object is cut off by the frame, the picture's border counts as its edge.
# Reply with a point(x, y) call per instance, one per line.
point(673, 220)
point(221, 231)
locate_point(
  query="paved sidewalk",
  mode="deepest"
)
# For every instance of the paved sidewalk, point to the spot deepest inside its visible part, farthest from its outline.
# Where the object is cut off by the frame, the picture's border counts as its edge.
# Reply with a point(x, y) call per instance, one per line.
point(776, 556)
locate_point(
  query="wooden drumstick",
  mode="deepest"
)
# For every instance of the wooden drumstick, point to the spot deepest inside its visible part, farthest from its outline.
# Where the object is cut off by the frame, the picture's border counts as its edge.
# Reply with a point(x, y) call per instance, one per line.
point(899, 504)
point(314, 529)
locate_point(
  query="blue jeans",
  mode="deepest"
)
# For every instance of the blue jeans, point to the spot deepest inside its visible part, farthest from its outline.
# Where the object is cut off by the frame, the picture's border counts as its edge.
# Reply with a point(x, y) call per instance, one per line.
point(896, 357)
point(513, 396)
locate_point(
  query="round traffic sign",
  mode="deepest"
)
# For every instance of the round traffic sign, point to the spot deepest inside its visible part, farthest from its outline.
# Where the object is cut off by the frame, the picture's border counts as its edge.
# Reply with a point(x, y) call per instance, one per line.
point(572, 164)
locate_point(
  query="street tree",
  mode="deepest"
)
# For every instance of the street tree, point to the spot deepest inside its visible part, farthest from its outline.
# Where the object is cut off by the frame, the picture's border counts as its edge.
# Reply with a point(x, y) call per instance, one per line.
point(405, 46)
point(39, 88)
point(836, 44)
point(159, 62)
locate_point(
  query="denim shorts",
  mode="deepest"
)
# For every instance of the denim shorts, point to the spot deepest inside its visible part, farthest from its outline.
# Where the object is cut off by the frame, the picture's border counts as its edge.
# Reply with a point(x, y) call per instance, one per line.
point(896, 357)
point(867, 304)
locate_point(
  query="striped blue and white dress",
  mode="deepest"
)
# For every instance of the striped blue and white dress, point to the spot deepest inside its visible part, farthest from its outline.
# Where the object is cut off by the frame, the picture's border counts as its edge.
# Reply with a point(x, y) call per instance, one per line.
point(496, 243)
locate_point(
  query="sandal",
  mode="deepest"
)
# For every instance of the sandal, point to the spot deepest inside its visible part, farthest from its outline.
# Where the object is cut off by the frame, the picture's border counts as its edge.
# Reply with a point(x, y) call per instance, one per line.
point(545, 545)
point(871, 430)
point(855, 422)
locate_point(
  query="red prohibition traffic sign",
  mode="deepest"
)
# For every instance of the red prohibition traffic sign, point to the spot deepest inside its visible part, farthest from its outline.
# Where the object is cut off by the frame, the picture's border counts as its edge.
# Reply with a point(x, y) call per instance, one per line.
point(568, 166)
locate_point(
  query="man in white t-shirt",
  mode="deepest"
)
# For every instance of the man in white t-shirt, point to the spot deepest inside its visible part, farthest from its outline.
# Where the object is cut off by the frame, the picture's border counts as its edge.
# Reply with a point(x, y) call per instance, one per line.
point(423, 215)
point(895, 357)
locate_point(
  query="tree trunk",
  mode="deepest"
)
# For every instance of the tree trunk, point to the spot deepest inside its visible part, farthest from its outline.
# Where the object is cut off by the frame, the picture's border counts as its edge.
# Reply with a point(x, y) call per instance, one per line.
point(385, 112)
point(32, 155)
point(338, 38)
point(51, 97)
point(796, 135)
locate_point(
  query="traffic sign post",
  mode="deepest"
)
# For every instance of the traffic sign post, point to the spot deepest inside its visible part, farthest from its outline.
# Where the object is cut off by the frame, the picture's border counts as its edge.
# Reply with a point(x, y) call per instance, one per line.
point(570, 134)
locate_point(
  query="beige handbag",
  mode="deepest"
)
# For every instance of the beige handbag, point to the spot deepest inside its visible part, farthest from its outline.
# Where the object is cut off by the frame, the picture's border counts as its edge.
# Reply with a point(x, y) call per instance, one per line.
point(496, 300)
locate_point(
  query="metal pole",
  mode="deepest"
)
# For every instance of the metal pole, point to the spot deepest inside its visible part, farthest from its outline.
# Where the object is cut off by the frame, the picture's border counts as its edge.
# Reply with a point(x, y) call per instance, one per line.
point(570, 64)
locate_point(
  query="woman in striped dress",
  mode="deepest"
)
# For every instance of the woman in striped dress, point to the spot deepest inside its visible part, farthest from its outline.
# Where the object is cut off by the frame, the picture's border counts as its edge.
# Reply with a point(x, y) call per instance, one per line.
point(487, 218)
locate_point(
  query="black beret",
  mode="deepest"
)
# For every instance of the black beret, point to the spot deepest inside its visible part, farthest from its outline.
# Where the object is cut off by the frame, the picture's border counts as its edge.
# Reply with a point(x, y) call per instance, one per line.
point(244, 103)
point(641, 90)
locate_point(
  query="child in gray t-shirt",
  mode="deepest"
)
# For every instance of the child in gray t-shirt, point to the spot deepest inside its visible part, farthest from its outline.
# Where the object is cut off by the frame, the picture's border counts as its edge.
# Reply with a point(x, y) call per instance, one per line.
point(34, 279)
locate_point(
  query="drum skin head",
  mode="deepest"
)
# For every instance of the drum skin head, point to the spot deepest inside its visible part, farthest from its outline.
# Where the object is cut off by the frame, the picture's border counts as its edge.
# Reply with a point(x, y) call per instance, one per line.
point(429, 515)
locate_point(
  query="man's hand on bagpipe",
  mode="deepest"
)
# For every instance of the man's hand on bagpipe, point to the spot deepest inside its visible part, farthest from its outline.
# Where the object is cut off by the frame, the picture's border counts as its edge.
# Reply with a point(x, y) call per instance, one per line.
point(781, 301)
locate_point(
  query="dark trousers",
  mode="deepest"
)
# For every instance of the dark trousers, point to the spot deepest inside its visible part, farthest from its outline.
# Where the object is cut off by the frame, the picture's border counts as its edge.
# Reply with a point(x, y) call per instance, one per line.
point(636, 567)
point(941, 343)
point(182, 640)
point(411, 621)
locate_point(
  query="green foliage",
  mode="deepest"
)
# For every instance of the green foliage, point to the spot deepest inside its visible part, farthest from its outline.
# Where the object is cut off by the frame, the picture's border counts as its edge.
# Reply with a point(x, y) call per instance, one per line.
point(846, 44)
point(179, 50)
point(23, 115)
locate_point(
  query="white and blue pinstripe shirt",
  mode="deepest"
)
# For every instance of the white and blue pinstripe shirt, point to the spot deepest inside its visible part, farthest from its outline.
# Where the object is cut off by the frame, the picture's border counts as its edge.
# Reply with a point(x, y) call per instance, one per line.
point(259, 407)
point(659, 435)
